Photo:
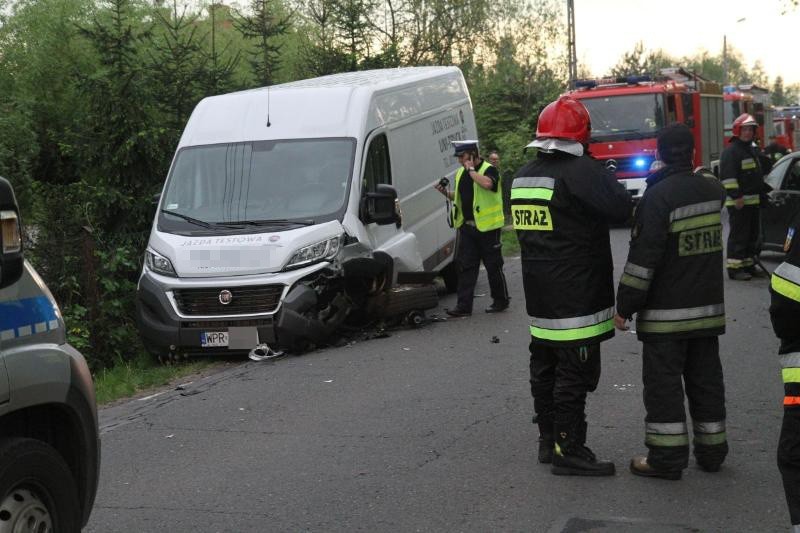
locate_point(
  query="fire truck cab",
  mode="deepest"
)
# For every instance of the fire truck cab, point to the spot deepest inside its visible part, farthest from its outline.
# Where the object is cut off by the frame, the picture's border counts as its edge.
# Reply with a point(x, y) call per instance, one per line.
point(628, 113)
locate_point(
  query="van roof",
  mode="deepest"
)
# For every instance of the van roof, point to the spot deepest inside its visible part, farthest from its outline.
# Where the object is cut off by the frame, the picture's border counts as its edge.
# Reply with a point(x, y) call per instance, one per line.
point(340, 105)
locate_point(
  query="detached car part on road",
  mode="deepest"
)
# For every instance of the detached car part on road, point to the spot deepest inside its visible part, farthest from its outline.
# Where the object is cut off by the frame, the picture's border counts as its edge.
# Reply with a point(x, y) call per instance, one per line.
point(294, 211)
point(49, 443)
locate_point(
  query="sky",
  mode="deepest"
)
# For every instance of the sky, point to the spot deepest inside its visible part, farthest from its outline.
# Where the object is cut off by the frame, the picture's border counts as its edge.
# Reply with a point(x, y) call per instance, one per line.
point(606, 29)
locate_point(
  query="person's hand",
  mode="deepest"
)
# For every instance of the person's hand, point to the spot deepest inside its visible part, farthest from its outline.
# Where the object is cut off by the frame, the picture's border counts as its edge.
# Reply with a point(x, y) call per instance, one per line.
point(739, 202)
point(441, 189)
point(468, 164)
point(620, 322)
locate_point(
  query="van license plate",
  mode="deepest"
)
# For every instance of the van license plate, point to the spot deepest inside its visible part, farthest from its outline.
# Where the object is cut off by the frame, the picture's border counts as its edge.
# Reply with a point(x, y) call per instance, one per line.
point(213, 339)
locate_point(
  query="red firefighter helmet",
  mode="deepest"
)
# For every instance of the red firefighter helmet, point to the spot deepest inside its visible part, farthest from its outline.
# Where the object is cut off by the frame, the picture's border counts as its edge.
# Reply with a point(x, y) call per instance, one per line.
point(566, 118)
point(745, 119)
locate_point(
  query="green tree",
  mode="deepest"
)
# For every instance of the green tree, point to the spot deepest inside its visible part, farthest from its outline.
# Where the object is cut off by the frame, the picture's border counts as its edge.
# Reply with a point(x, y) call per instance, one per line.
point(265, 22)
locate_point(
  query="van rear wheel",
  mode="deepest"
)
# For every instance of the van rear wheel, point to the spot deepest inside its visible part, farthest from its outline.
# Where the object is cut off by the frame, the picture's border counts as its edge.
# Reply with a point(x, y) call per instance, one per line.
point(37, 490)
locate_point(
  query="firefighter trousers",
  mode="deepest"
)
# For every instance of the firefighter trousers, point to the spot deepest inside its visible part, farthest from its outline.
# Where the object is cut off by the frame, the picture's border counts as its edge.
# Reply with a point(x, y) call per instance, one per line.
point(666, 367)
point(743, 238)
point(560, 381)
point(473, 247)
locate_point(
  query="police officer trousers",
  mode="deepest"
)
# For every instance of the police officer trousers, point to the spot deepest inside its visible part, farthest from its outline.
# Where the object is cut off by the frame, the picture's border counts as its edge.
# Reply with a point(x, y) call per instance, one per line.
point(743, 239)
point(560, 380)
point(666, 367)
point(473, 247)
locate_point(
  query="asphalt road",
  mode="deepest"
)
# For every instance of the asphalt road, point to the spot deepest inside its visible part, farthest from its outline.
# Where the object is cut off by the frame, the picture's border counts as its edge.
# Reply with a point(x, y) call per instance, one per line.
point(429, 430)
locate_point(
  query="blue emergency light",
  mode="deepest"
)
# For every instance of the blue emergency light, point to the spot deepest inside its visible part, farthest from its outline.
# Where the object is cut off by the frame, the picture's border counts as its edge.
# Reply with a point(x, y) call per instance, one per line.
point(585, 84)
point(640, 162)
point(633, 80)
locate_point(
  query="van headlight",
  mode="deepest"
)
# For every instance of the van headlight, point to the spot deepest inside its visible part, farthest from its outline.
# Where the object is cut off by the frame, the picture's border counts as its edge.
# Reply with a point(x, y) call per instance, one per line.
point(312, 253)
point(158, 263)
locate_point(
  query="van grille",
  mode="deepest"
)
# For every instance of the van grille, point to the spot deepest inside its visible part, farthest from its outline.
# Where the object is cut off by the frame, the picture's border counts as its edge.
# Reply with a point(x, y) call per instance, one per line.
point(245, 301)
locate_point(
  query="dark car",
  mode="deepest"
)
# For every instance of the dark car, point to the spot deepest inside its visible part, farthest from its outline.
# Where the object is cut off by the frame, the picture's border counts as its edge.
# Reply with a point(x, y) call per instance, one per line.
point(784, 200)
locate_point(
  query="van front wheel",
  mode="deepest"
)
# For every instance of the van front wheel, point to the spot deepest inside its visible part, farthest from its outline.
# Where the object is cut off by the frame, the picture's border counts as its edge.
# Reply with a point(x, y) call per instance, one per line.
point(450, 276)
point(37, 490)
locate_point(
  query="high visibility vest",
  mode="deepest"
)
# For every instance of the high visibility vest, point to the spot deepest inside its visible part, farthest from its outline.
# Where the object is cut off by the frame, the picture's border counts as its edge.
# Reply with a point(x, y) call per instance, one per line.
point(487, 205)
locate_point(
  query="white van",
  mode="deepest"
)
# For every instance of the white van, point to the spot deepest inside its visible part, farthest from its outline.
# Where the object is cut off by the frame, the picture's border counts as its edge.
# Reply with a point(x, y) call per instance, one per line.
point(292, 209)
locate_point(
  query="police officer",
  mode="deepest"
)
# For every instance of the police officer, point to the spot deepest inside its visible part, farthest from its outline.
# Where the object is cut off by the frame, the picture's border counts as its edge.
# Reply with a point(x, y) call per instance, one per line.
point(478, 215)
point(743, 179)
point(560, 204)
point(673, 282)
point(785, 314)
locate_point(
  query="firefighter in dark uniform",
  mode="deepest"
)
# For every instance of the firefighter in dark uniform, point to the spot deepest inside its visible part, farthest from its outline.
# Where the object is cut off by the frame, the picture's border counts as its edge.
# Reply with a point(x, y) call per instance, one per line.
point(478, 215)
point(785, 314)
point(561, 203)
point(673, 282)
point(743, 179)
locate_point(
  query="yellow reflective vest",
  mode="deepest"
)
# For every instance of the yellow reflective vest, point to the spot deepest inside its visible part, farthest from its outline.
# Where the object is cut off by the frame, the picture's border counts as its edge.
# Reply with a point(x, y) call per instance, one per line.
point(487, 205)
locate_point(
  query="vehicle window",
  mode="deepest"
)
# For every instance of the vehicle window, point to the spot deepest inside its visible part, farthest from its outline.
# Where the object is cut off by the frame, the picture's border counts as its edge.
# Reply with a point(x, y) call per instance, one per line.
point(775, 176)
point(259, 180)
point(792, 182)
point(688, 108)
point(671, 116)
point(377, 168)
point(625, 117)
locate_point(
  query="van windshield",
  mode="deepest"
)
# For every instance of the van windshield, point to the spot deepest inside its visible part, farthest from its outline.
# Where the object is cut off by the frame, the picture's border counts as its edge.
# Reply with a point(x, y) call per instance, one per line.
point(228, 187)
point(625, 117)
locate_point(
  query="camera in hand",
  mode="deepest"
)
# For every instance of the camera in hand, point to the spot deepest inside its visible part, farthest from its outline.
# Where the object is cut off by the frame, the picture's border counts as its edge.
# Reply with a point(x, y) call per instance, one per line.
point(444, 182)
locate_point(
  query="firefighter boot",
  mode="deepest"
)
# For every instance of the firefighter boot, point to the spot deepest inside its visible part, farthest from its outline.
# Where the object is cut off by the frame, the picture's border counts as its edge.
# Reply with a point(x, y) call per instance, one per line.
point(739, 275)
point(546, 442)
point(640, 467)
point(573, 458)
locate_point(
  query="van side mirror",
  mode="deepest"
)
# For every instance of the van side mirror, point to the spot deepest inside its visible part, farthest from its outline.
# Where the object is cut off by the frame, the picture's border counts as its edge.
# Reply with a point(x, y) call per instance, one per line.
point(380, 206)
point(11, 259)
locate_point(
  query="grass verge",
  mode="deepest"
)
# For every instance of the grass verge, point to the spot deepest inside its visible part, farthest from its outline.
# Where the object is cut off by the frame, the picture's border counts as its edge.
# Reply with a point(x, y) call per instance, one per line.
point(508, 237)
point(126, 378)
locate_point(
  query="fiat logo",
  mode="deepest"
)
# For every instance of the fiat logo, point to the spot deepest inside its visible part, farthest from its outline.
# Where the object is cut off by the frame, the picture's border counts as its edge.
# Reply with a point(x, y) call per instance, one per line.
point(225, 297)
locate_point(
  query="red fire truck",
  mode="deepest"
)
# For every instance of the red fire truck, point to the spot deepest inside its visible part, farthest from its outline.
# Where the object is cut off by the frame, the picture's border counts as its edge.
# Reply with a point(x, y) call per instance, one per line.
point(628, 113)
point(754, 100)
point(787, 127)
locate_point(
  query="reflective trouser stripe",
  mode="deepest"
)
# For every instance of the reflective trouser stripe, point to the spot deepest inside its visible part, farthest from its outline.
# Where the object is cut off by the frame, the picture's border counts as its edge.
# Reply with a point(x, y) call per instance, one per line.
point(667, 434)
point(790, 360)
point(791, 375)
point(791, 400)
point(710, 439)
point(709, 433)
point(700, 221)
point(738, 263)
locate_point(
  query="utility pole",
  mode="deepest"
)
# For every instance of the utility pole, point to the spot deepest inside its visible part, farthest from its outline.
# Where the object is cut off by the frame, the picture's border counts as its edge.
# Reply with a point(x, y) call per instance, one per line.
point(724, 60)
point(573, 58)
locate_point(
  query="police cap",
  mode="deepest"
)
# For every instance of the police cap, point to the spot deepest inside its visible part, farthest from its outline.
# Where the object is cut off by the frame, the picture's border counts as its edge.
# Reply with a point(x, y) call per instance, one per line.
point(460, 147)
point(675, 143)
